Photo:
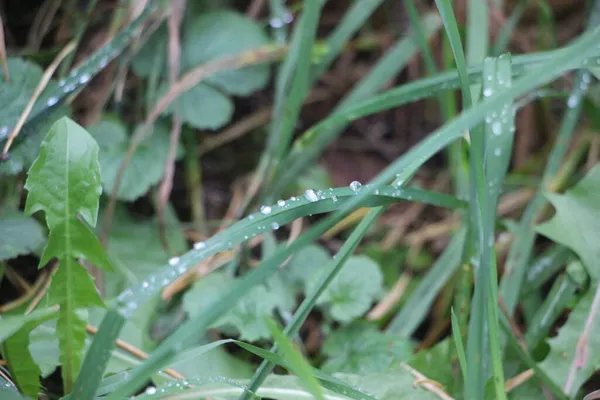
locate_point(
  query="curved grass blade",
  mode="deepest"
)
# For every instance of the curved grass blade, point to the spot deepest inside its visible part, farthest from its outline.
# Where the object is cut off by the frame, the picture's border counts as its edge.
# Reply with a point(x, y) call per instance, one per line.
point(545, 266)
point(416, 308)
point(196, 387)
point(309, 302)
point(521, 249)
point(81, 75)
point(410, 162)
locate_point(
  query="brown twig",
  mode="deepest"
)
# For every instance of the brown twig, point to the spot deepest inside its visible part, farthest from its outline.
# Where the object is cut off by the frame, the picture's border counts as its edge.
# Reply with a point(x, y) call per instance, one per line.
point(38, 91)
point(428, 384)
point(581, 355)
point(40, 294)
point(254, 8)
point(92, 330)
point(593, 395)
point(518, 380)
point(164, 191)
point(391, 299)
point(3, 52)
point(185, 83)
point(35, 288)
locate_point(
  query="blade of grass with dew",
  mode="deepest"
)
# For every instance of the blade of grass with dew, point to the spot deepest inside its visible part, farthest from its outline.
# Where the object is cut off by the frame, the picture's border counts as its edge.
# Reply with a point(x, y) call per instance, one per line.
point(293, 327)
point(297, 364)
point(477, 40)
point(574, 54)
point(522, 246)
point(545, 266)
point(416, 308)
point(94, 64)
point(384, 70)
point(521, 249)
point(350, 23)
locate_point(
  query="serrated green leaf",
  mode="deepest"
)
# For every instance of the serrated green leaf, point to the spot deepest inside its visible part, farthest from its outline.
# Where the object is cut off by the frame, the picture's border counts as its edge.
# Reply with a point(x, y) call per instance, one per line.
point(65, 178)
point(12, 323)
point(203, 107)
point(15, 350)
point(352, 291)
point(24, 371)
point(247, 317)
point(72, 238)
point(577, 221)
point(557, 365)
point(19, 235)
point(146, 167)
point(361, 348)
point(221, 33)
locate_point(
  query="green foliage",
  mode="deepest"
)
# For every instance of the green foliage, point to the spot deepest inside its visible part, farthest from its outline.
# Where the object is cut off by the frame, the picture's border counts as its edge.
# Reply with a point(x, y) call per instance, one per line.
point(298, 271)
point(147, 164)
point(64, 182)
point(362, 349)
point(577, 221)
point(20, 235)
point(247, 317)
point(566, 364)
point(207, 37)
point(352, 291)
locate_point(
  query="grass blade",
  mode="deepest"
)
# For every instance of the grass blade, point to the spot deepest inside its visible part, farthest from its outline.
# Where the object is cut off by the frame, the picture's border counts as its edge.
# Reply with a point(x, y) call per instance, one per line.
point(309, 302)
point(458, 342)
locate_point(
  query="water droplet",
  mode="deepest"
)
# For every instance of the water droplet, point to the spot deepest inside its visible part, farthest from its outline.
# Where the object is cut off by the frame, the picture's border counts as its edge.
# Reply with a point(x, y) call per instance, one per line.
point(145, 284)
point(293, 198)
point(52, 101)
point(280, 203)
point(311, 196)
point(573, 101)
point(496, 128)
point(266, 210)
point(497, 152)
point(69, 88)
point(355, 186)
point(275, 225)
point(61, 83)
point(276, 22)
point(287, 17)
point(150, 390)
point(199, 245)
point(4, 132)
point(251, 217)
point(173, 261)
point(103, 63)
point(334, 198)
point(84, 78)
point(487, 92)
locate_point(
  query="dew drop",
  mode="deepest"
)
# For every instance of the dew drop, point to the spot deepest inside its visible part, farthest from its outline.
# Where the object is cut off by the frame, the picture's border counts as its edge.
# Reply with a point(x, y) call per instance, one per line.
point(4, 132)
point(84, 78)
point(572, 101)
point(199, 245)
point(173, 261)
point(69, 88)
point(61, 83)
point(487, 92)
point(103, 63)
point(150, 390)
point(287, 17)
point(266, 210)
point(251, 217)
point(334, 198)
point(355, 186)
point(145, 284)
point(52, 101)
point(293, 198)
point(275, 225)
point(496, 128)
point(497, 152)
point(276, 22)
point(281, 203)
point(311, 196)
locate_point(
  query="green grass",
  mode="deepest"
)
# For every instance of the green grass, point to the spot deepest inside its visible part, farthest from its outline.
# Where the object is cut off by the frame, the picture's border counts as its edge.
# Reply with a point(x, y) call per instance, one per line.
point(468, 284)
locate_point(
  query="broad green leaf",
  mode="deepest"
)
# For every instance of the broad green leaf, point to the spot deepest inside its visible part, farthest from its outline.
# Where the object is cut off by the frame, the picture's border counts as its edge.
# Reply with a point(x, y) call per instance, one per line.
point(147, 164)
point(362, 349)
point(247, 317)
point(559, 363)
point(203, 107)
point(19, 235)
point(577, 221)
point(437, 364)
point(24, 371)
point(397, 385)
point(64, 181)
point(221, 33)
point(352, 291)
point(44, 347)
point(303, 264)
point(24, 151)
